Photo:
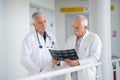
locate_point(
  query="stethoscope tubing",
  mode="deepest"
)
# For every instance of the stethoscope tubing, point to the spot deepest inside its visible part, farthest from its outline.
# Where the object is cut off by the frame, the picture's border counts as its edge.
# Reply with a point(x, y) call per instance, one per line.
point(40, 46)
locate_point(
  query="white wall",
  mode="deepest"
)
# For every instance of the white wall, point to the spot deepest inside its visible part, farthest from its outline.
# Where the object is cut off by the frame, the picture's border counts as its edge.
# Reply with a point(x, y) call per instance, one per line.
point(1, 40)
point(16, 27)
point(60, 17)
point(115, 23)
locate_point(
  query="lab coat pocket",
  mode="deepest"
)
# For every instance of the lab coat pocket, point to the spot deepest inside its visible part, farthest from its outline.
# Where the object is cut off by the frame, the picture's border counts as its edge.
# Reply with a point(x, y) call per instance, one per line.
point(46, 58)
point(82, 52)
point(36, 57)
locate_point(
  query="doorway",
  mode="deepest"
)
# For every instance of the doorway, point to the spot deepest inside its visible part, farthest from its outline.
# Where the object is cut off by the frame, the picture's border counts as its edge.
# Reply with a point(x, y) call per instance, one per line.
point(50, 18)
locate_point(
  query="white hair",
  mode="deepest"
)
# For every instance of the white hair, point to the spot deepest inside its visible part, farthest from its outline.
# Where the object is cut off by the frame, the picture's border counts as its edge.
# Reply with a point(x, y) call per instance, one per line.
point(82, 18)
point(37, 14)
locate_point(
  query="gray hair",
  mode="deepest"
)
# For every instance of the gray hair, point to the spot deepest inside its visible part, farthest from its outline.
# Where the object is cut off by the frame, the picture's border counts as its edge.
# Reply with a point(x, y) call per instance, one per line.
point(37, 14)
point(82, 18)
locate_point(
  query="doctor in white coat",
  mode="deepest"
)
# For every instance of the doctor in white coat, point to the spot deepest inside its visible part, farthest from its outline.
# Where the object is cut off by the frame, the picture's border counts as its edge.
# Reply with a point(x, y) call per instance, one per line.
point(88, 47)
point(35, 55)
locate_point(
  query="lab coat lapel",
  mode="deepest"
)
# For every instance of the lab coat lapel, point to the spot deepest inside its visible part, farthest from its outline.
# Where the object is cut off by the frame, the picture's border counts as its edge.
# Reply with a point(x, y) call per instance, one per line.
point(71, 43)
point(42, 41)
point(84, 39)
point(81, 49)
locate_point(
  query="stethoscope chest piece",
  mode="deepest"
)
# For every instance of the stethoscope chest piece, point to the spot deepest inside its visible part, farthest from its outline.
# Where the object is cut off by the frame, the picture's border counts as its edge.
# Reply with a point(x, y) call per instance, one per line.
point(40, 46)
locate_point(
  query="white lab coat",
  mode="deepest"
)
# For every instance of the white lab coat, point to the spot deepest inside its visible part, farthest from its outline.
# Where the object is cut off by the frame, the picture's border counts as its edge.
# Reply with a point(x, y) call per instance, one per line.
point(89, 52)
point(37, 60)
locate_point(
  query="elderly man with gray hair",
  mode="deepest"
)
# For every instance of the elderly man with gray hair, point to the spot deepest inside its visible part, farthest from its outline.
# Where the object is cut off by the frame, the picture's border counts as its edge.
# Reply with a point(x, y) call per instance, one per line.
point(88, 47)
point(35, 51)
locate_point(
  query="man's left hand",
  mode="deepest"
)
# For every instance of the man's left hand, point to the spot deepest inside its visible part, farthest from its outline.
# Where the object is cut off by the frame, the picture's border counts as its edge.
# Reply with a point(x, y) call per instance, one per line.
point(71, 62)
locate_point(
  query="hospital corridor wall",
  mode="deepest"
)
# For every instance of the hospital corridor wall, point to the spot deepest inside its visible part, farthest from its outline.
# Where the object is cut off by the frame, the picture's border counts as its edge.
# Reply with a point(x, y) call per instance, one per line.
point(1, 40)
point(16, 27)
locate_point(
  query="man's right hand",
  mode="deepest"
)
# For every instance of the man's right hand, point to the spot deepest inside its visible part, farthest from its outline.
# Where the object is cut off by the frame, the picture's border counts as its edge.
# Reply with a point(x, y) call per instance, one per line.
point(57, 62)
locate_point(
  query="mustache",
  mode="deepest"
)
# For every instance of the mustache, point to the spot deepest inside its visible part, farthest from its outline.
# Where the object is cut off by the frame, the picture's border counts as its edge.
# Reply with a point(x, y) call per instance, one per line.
point(76, 33)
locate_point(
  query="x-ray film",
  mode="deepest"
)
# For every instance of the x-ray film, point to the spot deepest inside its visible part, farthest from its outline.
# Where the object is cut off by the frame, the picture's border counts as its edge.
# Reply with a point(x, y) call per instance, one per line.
point(64, 54)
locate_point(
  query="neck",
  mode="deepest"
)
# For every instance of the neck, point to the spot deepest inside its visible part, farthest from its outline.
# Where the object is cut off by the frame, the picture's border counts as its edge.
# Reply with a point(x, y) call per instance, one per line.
point(41, 33)
point(80, 36)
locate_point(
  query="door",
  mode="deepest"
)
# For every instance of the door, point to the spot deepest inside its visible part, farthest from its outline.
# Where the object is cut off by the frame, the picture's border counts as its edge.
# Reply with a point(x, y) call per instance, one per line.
point(50, 18)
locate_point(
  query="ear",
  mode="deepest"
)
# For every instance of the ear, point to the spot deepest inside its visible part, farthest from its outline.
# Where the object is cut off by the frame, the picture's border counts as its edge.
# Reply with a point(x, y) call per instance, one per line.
point(33, 23)
point(85, 27)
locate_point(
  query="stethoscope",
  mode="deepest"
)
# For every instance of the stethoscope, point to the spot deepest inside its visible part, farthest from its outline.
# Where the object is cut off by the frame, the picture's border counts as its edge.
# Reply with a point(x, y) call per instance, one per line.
point(46, 35)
